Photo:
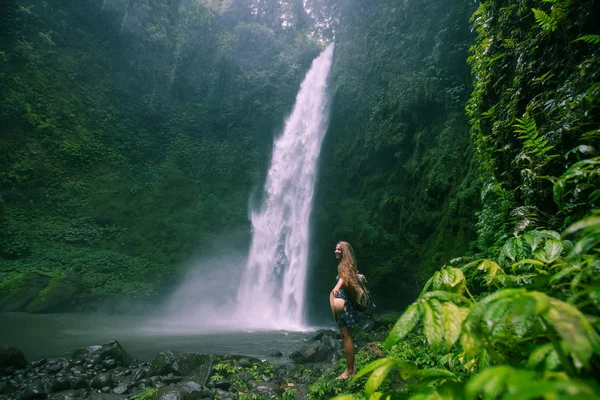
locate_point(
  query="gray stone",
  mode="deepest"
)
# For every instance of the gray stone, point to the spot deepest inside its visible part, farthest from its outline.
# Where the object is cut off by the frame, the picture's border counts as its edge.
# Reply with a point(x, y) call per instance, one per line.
point(102, 381)
point(113, 350)
point(11, 359)
point(86, 352)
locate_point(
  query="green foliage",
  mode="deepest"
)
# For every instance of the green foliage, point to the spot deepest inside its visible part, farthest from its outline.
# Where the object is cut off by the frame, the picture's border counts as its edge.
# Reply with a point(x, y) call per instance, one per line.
point(120, 163)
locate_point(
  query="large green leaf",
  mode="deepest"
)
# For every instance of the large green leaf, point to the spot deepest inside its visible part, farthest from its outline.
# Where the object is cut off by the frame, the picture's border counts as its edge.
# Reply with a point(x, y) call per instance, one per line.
point(373, 366)
point(490, 383)
point(405, 324)
point(550, 251)
point(453, 319)
point(433, 321)
point(579, 336)
point(378, 376)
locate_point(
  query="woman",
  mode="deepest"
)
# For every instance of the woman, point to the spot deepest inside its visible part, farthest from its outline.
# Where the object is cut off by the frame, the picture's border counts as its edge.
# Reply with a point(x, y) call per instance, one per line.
point(347, 288)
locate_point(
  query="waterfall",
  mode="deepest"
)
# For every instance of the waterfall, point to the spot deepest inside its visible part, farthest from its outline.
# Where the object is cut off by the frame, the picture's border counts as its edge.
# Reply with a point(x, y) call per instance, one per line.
point(272, 290)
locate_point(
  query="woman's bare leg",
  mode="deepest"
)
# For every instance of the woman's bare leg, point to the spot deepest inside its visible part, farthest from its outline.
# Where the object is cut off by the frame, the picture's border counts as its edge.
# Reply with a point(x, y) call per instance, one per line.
point(348, 351)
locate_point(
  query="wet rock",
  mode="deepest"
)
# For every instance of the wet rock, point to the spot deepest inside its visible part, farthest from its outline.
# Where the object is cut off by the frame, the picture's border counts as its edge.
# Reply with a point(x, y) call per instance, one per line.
point(138, 375)
point(122, 388)
point(11, 359)
point(60, 384)
point(107, 396)
point(169, 379)
point(220, 384)
point(35, 391)
point(39, 363)
point(77, 382)
point(56, 294)
point(276, 354)
point(172, 361)
point(146, 382)
point(245, 362)
point(113, 350)
point(77, 370)
point(110, 363)
point(223, 395)
point(321, 333)
point(372, 348)
point(6, 387)
point(266, 389)
point(169, 393)
point(325, 349)
point(102, 381)
point(86, 352)
point(65, 395)
point(22, 290)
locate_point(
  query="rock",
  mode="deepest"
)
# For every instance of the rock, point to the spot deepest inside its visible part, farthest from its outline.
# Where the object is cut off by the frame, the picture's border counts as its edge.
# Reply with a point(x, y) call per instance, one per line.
point(86, 352)
point(268, 390)
point(35, 391)
point(6, 387)
point(113, 350)
point(326, 349)
point(169, 393)
point(122, 388)
point(172, 361)
point(11, 357)
point(107, 396)
point(223, 395)
point(138, 375)
point(102, 381)
point(219, 384)
point(59, 290)
point(167, 380)
point(39, 363)
point(110, 363)
point(372, 348)
point(77, 382)
point(60, 384)
point(16, 293)
point(65, 395)
point(300, 391)
point(276, 354)
point(321, 333)
point(245, 362)
point(77, 370)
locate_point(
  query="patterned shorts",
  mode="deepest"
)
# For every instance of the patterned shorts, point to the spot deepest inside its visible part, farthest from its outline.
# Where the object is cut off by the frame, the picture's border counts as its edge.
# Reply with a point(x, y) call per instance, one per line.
point(350, 317)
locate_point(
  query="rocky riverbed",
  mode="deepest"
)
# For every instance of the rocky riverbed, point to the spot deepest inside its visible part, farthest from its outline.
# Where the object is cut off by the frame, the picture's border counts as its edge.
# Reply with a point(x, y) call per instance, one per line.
point(107, 371)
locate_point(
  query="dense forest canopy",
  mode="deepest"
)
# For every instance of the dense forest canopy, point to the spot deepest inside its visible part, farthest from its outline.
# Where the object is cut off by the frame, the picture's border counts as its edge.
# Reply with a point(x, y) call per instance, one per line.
point(134, 133)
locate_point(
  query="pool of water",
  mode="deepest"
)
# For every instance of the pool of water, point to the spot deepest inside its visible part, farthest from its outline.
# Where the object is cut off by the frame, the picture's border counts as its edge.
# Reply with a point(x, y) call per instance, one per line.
point(57, 335)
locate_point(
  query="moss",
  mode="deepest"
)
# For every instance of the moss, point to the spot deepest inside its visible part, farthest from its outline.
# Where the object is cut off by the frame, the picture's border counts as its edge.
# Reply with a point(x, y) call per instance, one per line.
point(146, 395)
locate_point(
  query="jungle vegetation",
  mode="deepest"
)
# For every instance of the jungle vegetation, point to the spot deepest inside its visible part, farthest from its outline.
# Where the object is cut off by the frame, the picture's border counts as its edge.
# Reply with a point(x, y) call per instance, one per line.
point(517, 316)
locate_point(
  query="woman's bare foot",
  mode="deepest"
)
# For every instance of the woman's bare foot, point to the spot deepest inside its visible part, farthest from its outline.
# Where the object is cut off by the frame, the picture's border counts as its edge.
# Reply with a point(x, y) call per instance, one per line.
point(347, 374)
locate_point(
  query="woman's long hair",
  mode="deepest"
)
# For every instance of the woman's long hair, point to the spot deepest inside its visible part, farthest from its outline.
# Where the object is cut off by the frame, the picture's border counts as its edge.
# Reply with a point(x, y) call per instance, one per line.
point(347, 270)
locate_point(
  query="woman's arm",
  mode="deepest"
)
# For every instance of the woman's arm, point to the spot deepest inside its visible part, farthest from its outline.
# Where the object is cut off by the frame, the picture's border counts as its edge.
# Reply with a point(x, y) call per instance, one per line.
point(336, 289)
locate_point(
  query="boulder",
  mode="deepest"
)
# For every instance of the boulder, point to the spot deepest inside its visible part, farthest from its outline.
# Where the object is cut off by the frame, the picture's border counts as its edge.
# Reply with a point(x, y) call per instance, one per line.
point(372, 348)
point(183, 364)
point(325, 349)
point(65, 395)
point(59, 291)
point(17, 292)
point(11, 358)
point(84, 353)
point(35, 390)
point(113, 350)
point(102, 381)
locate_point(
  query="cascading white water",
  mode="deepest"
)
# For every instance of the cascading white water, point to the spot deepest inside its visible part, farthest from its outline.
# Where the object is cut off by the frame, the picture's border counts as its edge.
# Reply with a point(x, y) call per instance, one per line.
point(272, 290)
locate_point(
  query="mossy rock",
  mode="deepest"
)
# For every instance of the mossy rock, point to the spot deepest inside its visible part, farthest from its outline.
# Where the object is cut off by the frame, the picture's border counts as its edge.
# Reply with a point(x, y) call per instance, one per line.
point(17, 292)
point(56, 293)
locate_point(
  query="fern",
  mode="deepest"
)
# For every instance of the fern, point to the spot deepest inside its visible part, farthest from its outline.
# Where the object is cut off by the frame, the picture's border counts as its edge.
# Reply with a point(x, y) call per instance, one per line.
point(545, 21)
point(589, 39)
point(533, 143)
